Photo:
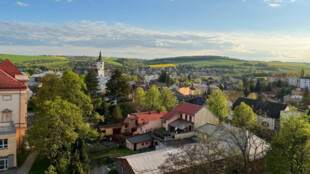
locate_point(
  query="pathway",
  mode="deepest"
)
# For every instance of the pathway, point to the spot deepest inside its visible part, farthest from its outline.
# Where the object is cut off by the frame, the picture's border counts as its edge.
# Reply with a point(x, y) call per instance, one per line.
point(25, 168)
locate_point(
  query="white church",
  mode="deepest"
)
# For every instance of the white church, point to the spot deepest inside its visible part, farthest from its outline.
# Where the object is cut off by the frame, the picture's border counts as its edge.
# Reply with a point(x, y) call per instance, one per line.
point(100, 72)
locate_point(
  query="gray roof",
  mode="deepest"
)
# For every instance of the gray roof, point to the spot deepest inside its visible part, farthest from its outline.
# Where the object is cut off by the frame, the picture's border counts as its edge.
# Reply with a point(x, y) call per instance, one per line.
point(140, 138)
point(180, 124)
point(7, 128)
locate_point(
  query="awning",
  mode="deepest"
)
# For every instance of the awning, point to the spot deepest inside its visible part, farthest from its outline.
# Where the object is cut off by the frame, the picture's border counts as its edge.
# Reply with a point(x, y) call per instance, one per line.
point(181, 124)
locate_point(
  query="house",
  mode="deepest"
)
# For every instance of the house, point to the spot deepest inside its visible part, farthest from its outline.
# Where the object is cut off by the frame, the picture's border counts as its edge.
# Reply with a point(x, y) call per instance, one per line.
point(197, 101)
point(272, 79)
point(7, 146)
point(268, 113)
point(141, 141)
point(112, 129)
point(185, 89)
point(186, 117)
point(143, 122)
point(14, 95)
point(304, 82)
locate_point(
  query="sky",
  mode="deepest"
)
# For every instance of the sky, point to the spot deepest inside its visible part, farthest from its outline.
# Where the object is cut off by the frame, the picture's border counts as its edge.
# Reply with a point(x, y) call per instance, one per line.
point(263, 30)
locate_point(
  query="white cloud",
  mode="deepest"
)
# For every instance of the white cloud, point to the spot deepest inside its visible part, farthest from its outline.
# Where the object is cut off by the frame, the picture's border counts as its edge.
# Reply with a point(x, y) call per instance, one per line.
point(87, 38)
point(21, 3)
point(277, 3)
point(274, 5)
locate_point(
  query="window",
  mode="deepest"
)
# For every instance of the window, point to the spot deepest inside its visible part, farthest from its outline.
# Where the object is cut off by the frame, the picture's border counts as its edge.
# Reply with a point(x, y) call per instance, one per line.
point(142, 144)
point(190, 118)
point(147, 143)
point(103, 131)
point(164, 121)
point(6, 115)
point(7, 97)
point(185, 117)
point(3, 164)
point(3, 143)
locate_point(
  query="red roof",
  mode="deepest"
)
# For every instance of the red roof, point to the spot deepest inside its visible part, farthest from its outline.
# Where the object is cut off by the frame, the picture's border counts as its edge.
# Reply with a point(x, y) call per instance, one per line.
point(183, 107)
point(8, 82)
point(9, 68)
point(145, 117)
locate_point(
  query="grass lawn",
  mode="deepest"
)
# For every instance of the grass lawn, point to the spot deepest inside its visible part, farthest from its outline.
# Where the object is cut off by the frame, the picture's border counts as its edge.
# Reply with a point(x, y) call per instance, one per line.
point(21, 157)
point(114, 151)
point(20, 58)
point(39, 166)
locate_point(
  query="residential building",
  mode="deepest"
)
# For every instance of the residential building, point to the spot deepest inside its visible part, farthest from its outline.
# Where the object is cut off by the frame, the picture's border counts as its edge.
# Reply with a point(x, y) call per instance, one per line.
point(112, 129)
point(304, 83)
point(269, 113)
point(7, 146)
point(186, 117)
point(143, 122)
point(272, 79)
point(14, 95)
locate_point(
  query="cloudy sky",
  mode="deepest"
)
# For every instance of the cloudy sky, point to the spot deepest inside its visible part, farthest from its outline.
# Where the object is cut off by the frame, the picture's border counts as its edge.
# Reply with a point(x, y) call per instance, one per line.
point(248, 29)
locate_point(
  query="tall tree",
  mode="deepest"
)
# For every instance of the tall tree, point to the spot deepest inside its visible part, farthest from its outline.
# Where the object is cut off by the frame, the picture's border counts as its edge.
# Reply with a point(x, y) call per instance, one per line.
point(104, 110)
point(117, 114)
point(302, 73)
point(306, 98)
point(140, 96)
point(167, 99)
point(58, 125)
point(152, 97)
point(290, 149)
point(117, 87)
point(217, 103)
point(92, 84)
point(79, 164)
point(240, 86)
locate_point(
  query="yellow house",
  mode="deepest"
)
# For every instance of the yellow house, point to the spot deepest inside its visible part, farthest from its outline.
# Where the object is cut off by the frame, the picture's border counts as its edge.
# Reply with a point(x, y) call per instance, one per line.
point(112, 129)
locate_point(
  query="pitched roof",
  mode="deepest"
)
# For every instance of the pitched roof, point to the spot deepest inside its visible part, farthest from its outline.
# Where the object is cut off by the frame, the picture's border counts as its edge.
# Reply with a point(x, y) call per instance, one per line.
point(183, 107)
point(9, 68)
point(8, 82)
point(145, 117)
point(197, 101)
point(271, 109)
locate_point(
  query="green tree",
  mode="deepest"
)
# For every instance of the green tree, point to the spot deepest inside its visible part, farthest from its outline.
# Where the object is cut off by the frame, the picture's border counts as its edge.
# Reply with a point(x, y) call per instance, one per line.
point(302, 73)
point(104, 110)
point(243, 116)
point(152, 97)
point(140, 96)
point(92, 84)
point(306, 98)
point(240, 86)
point(117, 114)
point(290, 149)
point(117, 87)
point(73, 88)
point(217, 103)
point(79, 164)
point(58, 125)
point(167, 99)
point(51, 170)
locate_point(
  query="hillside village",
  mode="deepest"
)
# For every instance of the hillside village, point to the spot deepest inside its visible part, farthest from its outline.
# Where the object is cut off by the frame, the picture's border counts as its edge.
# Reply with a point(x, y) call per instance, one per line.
point(154, 120)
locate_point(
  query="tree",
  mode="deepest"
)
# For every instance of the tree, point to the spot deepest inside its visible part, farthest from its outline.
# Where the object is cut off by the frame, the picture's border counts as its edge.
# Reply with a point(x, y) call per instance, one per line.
point(51, 170)
point(80, 161)
point(92, 84)
point(306, 98)
point(58, 125)
point(140, 96)
point(290, 149)
point(252, 96)
point(167, 99)
point(104, 110)
point(152, 97)
point(117, 87)
point(117, 114)
point(240, 85)
point(197, 92)
point(258, 86)
point(302, 73)
point(72, 90)
point(243, 116)
point(217, 103)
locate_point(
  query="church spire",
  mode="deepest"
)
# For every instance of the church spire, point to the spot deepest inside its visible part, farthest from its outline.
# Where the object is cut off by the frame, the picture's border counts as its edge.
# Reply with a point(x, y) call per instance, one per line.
point(99, 59)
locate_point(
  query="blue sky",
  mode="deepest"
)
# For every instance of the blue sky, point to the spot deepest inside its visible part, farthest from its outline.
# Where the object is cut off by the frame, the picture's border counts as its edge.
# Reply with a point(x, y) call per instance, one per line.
point(248, 29)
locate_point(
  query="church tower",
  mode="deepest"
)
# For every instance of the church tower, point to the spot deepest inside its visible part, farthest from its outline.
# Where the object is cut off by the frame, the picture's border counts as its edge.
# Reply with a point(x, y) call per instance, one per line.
point(100, 66)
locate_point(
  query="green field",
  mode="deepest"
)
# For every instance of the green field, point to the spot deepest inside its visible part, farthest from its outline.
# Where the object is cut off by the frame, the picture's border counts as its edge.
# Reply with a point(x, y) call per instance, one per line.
point(20, 58)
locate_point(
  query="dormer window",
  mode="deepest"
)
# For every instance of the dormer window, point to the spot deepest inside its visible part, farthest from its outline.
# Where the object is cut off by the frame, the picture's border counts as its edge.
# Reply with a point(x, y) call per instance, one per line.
point(6, 115)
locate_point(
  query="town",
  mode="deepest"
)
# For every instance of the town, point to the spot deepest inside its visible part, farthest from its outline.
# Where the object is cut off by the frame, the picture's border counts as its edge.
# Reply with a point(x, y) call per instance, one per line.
point(162, 118)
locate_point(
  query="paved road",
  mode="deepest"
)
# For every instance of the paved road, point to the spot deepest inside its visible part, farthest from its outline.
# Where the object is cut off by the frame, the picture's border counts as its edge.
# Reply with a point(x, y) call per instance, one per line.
point(100, 170)
point(25, 168)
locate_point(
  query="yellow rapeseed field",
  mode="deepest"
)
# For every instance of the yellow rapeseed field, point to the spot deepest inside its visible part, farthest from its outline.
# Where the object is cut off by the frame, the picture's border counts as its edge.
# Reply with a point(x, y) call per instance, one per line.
point(162, 65)
point(63, 58)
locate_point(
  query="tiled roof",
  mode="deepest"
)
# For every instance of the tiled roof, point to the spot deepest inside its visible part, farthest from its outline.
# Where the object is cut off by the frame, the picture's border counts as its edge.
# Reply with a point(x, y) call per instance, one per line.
point(140, 138)
point(9, 68)
point(8, 82)
point(183, 107)
point(145, 117)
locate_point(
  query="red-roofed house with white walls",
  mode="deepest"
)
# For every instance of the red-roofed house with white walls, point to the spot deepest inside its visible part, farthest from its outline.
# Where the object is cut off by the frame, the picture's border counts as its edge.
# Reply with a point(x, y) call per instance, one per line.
point(14, 96)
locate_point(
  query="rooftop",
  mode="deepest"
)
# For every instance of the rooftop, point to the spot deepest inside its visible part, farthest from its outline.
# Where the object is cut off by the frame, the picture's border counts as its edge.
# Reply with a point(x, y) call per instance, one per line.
point(145, 117)
point(9, 82)
point(9, 68)
point(140, 138)
point(7, 128)
point(183, 107)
